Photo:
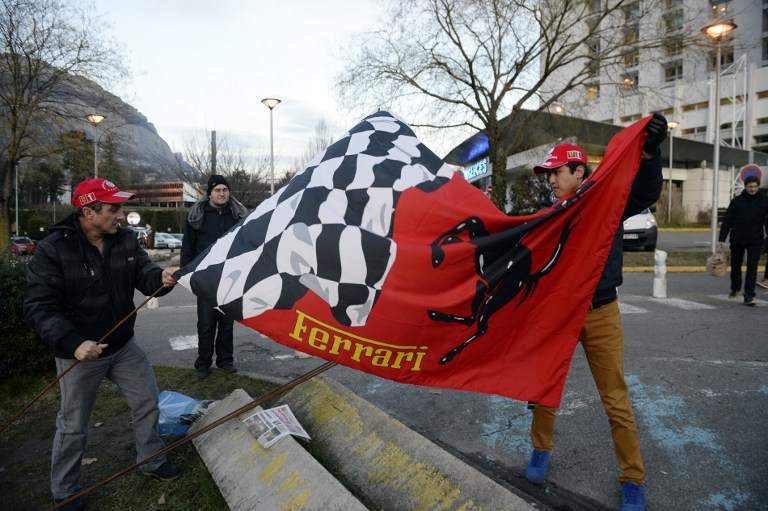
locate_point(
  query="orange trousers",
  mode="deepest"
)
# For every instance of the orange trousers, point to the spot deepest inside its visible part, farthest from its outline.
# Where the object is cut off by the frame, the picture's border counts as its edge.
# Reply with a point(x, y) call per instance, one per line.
point(602, 338)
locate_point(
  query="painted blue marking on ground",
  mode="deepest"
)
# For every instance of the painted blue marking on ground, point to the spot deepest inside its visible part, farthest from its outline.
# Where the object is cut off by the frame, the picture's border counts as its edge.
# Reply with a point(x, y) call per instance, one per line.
point(737, 500)
point(509, 426)
point(668, 419)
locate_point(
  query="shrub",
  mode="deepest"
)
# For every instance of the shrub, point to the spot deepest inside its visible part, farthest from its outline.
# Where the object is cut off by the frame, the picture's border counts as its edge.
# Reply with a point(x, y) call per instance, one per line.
point(21, 351)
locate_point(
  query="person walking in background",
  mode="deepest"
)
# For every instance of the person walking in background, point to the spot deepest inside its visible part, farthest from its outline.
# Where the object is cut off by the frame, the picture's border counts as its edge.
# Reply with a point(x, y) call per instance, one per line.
point(209, 219)
point(80, 283)
point(601, 335)
point(764, 283)
point(746, 222)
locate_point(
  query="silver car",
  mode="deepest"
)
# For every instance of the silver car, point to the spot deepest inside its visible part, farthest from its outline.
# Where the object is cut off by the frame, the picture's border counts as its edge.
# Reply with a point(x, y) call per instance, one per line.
point(163, 240)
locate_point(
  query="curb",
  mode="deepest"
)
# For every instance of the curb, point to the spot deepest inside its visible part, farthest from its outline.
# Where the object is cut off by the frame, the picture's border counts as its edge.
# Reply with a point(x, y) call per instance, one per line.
point(251, 477)
point(386, 465)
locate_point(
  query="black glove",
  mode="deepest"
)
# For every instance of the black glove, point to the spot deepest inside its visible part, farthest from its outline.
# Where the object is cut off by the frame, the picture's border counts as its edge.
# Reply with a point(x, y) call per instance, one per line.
point(656, 132)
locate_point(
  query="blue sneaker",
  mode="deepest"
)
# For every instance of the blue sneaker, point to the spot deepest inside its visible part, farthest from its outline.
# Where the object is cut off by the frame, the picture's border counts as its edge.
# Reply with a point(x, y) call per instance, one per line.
point(536, 471)
point(632, 497)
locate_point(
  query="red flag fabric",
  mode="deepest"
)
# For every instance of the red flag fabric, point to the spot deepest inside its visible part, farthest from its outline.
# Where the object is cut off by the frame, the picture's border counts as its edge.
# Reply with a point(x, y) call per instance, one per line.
point(379, 257)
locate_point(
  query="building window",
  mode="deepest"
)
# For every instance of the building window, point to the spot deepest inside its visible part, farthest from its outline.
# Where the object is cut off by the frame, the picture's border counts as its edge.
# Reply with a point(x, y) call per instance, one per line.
point(695, 106)
point(761, 142)
point(726, 56)
point(673, 46)
point(693, 131)
point(762, 120)
point(592, 90)
point(719, 8)
point(762, 94)
point(632, 12)
point(674, 20)
point(632, 59)
point(673, 71)
point(631, 118)
point(631, 33)
point(667, 112)
point(629, 81)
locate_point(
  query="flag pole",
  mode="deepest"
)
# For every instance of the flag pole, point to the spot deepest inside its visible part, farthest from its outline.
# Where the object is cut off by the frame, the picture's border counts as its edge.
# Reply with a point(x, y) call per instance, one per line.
point(68, 369)
point(253, 404)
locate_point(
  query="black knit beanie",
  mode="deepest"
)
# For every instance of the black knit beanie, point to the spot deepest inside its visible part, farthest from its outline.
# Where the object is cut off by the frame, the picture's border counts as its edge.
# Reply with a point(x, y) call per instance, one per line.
point(215, 180)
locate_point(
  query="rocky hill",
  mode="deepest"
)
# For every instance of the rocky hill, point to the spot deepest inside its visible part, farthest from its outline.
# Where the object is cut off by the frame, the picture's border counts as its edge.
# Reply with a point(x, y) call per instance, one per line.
point(139, 147)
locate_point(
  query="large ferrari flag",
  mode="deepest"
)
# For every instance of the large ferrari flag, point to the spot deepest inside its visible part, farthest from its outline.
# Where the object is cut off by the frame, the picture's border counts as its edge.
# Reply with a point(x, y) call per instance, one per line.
point(379, 257)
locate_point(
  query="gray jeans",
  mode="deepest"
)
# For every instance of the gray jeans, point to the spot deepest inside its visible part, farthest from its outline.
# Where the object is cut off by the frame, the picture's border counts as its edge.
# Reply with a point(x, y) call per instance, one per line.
point(129, 369)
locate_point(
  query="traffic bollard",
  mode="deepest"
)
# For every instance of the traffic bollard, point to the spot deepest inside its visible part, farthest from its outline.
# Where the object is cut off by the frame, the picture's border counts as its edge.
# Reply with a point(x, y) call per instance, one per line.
point(660, 274)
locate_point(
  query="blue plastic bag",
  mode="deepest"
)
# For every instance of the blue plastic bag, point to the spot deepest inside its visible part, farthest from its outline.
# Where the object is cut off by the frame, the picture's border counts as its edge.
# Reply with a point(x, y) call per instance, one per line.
point(178, 412)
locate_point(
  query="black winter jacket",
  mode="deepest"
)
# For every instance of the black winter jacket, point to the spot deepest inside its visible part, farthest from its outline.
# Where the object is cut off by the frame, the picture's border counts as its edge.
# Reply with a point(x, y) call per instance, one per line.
point(75, 294)
point(216, 222)
point(746, 219)
point(645, 190)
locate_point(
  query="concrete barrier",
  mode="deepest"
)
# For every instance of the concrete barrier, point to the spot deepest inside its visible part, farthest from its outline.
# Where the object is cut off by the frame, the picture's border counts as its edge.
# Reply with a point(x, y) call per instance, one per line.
point(387, 465)
point(285, 477)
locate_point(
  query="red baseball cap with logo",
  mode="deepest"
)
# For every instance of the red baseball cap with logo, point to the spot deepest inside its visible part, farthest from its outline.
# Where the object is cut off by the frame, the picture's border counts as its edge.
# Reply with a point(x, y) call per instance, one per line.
point(98, 190)
point(559, 156)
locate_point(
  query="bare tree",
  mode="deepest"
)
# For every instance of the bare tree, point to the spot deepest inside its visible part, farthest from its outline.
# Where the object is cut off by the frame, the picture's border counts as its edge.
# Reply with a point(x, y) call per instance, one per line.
point(476, 64)
point(44, 44)
point(314, 147)
point(246, 175)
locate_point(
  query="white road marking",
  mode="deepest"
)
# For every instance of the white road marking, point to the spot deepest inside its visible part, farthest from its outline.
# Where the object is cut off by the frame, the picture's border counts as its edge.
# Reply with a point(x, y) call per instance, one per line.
point(681, 304)
point(625, 308)
point(183, 342)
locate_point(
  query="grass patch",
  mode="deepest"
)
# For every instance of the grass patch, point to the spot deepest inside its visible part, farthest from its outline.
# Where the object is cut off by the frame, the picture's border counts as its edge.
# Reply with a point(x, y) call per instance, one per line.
point(25, 447)
point(645, 259)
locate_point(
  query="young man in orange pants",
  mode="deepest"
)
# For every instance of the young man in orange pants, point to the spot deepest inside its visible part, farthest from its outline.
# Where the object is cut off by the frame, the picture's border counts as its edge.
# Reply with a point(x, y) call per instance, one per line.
point(601, 335)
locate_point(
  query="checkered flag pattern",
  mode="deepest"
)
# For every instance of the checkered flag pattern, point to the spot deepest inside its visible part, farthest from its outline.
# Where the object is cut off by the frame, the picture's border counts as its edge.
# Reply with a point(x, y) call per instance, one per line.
point(328, 231)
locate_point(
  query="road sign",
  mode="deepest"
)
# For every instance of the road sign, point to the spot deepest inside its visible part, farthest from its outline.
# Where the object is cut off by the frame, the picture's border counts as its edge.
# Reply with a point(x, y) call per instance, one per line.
point(750, 170)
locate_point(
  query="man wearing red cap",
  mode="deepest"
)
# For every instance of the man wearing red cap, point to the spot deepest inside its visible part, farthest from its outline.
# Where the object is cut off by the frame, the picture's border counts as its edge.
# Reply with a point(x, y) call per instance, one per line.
point(601, 335)
point(80, 284)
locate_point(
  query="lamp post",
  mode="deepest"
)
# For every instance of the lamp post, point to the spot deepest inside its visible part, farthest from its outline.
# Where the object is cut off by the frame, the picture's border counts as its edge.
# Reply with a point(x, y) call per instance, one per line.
point(95, 119)
point(271, 104)
point(671, 125)
point(717, 31)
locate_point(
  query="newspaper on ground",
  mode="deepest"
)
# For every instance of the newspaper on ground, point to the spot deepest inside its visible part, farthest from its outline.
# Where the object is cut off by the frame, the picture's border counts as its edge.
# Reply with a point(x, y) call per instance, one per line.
point(270, 426)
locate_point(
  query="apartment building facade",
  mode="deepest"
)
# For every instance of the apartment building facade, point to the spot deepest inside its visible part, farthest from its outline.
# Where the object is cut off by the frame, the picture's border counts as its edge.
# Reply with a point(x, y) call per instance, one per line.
point(678, 78)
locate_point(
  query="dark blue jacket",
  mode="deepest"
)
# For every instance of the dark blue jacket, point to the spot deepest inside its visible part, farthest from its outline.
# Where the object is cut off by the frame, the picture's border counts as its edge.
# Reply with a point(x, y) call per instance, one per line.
point(645, 191)
point(74, 293)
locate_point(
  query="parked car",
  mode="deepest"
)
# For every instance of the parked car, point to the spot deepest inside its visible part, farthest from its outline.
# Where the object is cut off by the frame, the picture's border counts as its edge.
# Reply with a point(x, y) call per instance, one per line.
point(641, 232)
point(21, 245)
point(178, 235)
point(165, 240)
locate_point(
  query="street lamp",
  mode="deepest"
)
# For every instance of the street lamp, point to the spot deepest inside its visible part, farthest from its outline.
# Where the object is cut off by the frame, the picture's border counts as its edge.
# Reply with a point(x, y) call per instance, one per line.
point(95, 119)
point(717, 31)
point(271, 103)
point(671, 125)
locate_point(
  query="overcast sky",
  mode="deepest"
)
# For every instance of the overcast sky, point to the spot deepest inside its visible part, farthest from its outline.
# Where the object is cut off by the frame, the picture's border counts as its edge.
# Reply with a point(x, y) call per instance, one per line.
point(202, 65)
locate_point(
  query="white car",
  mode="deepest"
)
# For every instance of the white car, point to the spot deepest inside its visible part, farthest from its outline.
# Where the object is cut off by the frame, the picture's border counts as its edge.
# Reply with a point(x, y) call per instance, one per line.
point(641, 232)
point(163, 240)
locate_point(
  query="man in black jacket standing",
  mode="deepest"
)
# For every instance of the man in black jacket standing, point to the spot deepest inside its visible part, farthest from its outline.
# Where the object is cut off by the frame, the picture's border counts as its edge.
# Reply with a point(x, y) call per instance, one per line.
point(601, 334)
point(209, 219)
point(746, 220)
point(80, 284)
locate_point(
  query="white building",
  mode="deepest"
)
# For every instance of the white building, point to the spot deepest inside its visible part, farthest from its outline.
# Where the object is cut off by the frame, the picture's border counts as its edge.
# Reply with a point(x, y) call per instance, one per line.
point(678, 80)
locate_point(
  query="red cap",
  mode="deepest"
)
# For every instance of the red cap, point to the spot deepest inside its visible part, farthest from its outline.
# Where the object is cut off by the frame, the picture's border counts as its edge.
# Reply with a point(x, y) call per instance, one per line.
point(98, 190)
point(559, 156)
